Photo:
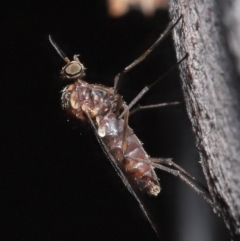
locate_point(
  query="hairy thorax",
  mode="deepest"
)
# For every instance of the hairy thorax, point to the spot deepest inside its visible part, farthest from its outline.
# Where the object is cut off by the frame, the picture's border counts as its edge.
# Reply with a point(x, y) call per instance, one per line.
point(80, 97)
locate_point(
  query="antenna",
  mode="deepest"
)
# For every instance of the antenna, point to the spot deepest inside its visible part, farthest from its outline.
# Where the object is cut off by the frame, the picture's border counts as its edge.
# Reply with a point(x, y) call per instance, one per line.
point(59, 51)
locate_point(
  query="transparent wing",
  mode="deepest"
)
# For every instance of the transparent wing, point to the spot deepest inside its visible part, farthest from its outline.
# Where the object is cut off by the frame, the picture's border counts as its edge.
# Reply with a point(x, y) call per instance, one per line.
point(121, 174)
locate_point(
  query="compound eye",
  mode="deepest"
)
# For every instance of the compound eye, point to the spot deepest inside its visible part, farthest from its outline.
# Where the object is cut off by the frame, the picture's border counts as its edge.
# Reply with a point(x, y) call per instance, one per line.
point(73, 70)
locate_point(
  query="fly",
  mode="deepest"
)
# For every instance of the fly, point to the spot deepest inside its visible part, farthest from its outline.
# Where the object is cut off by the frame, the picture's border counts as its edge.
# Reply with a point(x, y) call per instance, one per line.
point(108, 116)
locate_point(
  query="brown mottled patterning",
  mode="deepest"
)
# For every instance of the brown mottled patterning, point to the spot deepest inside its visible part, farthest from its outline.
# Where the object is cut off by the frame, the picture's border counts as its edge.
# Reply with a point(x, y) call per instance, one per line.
point(103, 104)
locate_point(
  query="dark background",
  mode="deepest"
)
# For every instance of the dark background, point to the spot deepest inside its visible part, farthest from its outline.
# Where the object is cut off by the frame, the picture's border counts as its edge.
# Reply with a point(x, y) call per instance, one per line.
point(56, 183)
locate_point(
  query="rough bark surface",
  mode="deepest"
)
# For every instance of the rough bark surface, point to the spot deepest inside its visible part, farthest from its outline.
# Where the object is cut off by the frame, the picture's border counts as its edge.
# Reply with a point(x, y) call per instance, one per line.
point(212, 95)
point(231, 20)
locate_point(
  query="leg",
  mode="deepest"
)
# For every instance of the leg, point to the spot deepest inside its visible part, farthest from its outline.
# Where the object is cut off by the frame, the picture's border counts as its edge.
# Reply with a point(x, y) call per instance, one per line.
point(125, 126)
point(139, 107)
point(146, 53)
point(169, 162)
point(147, 88)
point(198, 191)
point(179, 174)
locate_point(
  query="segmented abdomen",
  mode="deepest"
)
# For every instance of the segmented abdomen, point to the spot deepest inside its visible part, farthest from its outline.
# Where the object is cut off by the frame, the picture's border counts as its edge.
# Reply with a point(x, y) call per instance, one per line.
point(139, 172)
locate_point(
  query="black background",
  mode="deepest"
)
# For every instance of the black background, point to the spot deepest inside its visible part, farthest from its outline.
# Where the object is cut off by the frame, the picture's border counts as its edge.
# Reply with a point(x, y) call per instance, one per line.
point(56, 183)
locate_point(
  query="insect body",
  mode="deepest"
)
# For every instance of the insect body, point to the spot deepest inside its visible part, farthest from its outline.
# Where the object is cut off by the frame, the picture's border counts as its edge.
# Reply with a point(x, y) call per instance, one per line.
point(102, 105)
point(108, 115)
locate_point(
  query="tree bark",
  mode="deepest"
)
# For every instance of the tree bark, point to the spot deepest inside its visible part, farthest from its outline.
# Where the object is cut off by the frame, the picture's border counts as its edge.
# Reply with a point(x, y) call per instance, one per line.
point(211, 90)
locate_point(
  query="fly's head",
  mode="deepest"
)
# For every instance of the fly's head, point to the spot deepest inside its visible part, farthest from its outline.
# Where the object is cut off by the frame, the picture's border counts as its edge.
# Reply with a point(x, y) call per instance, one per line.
point(73, 70)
